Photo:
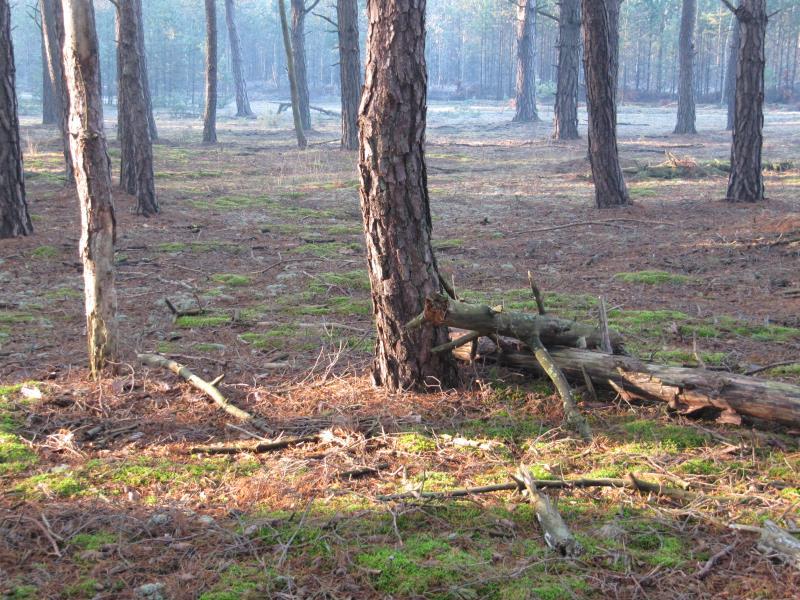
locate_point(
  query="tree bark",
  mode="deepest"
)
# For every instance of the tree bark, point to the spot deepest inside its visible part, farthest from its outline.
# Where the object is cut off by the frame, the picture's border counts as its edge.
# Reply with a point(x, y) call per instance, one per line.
point(565, 124)
point(93, 180)
point(394, 198)
point(299, 58)
point(49, 109)
point(730, 73)
point(287, 44)
point(53, 36)
point(210, 112)
point(686, 111)
point(242, 101)
point(145, 78)
point(14, 218)
point(613, 9)
point(136, 171)
point(746, 183)
point(349, 70)
point(526, 61)
point(609, 183)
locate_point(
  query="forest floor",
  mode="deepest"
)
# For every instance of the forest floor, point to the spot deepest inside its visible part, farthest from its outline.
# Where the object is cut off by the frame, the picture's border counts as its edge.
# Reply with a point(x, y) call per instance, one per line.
point(99, 497)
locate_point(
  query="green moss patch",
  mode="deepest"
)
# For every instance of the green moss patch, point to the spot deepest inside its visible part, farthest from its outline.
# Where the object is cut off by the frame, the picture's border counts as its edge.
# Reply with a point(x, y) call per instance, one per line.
point(327, 249)
point(276, 337)
point(93, 541)
point(422, 565)
point(201, 321)
point(45, 252)
point(231, 279)
point(415, 443)
point(653, 277)
point(199, 247)
point(672, 437)
point(349, 281)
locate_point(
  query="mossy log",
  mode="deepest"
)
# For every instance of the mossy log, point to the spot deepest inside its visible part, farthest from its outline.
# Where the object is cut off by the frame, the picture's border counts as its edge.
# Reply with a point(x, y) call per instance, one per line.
point(687, 390)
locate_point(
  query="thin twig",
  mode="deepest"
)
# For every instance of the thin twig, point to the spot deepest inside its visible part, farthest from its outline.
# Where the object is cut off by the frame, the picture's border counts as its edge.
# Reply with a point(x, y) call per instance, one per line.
point(606, 223)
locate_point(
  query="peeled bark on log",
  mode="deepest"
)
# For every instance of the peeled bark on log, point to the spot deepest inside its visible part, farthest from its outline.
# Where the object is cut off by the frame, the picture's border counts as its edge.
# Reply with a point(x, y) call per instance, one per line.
point(687, 390)
point(552, 331)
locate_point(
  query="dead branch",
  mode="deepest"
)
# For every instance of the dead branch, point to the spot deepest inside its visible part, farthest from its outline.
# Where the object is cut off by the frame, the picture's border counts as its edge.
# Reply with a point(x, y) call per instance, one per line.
point(606, 223)
point(551, 331)
point(775, 542)
point(556, 533)
point(634, 484)
point(537, 295)
point(260, 448)
point(363, 471)
point(572, 416)
point(703, 572)
point(156, 360)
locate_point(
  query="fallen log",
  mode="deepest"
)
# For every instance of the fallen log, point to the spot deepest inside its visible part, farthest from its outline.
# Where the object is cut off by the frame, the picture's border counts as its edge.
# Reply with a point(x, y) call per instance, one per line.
point(686, 390)
point(486, 320)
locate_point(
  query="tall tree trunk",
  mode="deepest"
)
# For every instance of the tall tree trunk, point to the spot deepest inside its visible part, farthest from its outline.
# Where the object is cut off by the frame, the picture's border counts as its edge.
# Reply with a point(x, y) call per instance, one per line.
point(349, 70)
point(14, 217)
point(565, 124)
point(137, 150)
point(151, 122)
point(526, 61)
point(287, 44)
point(210, 112)
point(242, 101)
point(613, 8)
point(609, 184)
point(53, 35)
point(394, 198)
point(745, 183)
point(127, 175)
point(49, 109)
point(686, 112)
point(730, 73)
point(299, 58)
point(93, 179)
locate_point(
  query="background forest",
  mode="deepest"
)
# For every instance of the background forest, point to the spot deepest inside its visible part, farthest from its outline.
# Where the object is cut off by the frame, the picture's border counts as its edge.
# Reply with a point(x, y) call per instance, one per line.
point(427, 347)
point(471, 50)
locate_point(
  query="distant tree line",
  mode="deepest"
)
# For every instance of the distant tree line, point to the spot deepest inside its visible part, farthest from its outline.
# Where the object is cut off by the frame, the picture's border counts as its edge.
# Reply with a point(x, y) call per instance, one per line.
point(471, 50)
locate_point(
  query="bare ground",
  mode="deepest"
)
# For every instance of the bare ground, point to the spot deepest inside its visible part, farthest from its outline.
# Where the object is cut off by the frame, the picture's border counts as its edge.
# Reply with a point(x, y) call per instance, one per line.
point(99, 496)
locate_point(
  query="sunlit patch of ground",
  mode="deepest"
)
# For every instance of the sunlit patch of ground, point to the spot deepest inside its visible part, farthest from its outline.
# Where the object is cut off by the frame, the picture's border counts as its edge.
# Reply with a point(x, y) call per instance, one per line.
point(261, 246)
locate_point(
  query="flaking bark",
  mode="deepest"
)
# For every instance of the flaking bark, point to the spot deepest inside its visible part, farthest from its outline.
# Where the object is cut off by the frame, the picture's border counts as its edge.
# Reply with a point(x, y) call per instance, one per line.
point(394, 198)
point(565, 122)
point(349, 70)
point(93, 180)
